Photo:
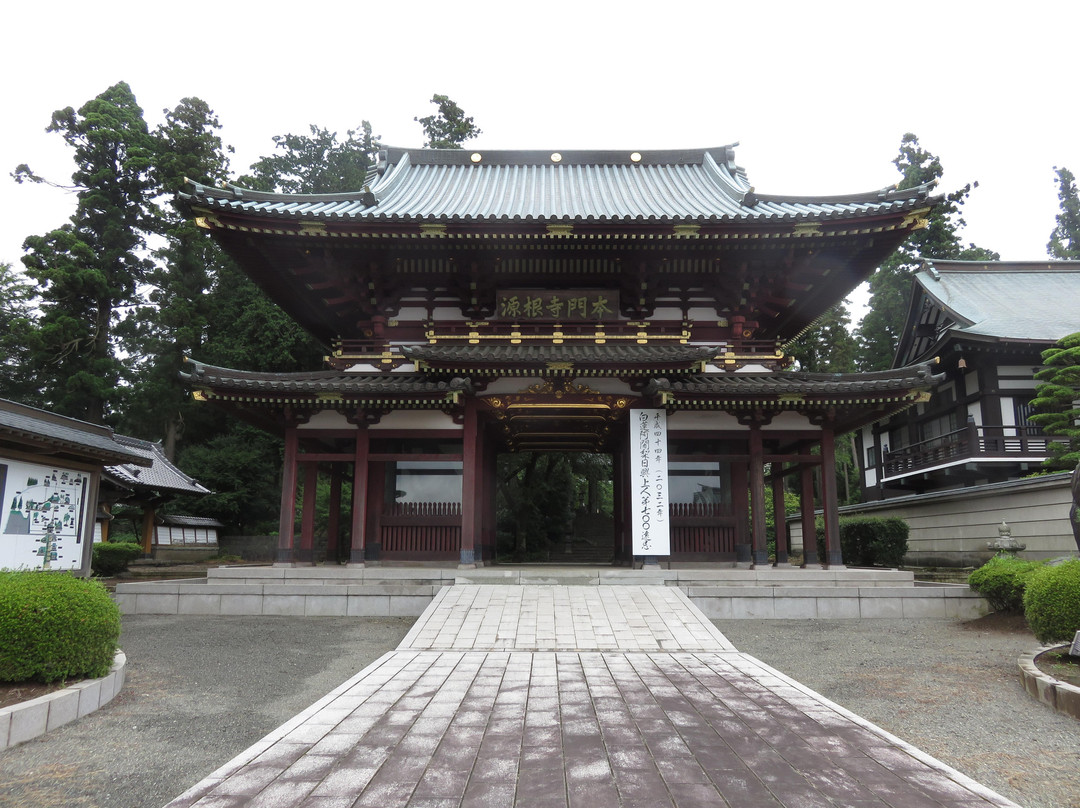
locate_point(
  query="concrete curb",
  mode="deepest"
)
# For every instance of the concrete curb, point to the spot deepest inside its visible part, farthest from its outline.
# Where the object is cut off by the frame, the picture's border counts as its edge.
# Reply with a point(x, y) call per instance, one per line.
point(1063, 697)
point(31, 719)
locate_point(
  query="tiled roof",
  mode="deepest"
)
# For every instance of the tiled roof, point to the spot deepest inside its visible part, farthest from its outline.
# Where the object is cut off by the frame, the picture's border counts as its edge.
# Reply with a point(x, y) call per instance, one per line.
point(22, 425)
point(814, 384)
point(190, 521)
point(161, 475)
point(1012, 300)
point(198, 374)
point(697, 185)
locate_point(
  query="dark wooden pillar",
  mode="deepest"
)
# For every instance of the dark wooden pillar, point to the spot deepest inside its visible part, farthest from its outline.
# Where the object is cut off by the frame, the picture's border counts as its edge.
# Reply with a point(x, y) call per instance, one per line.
point(829, 506)
point(740, 505)
point(760, 550)
point(359, 498)
point(288, 497)
point(780, 519)
point(471, 475)
point(333, 521)
point(305, 555)
point(148, 530)
point(806, 511)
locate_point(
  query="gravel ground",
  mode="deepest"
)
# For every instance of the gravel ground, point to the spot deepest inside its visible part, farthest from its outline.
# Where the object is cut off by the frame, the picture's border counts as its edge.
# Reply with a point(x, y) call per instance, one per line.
point(951, 689)
point(201, 689)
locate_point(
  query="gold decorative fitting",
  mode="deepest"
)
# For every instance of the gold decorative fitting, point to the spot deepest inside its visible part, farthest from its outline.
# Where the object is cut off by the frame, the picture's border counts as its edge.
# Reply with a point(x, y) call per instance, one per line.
point(556, 157)
point(560, 229)
point(922, 397)
point(635, 157)
point(807, 229)
point(433, 230)
point(792, 398)
point(330, 397)
point(916, 220)
point(687, 230)
point(198, 395)
point(312, 229)
point(560, 365)
point(476, 157)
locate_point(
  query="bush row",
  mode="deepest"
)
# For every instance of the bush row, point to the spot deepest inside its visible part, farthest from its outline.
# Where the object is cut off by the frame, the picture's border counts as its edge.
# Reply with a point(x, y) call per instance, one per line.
point(867, 541)
point(1048, 594)
point(112, 557)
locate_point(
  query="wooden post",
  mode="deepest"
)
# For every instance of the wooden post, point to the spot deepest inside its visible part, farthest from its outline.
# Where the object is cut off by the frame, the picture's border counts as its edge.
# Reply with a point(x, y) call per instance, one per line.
point(760, 550)
point(333, 520)
point(307, 519)
point(740, 505)
point(780, 518)
point(471, 474)
point(288, 497)
point(148, 531)
point(833, 555)
point(359, 498)
point(806, 510)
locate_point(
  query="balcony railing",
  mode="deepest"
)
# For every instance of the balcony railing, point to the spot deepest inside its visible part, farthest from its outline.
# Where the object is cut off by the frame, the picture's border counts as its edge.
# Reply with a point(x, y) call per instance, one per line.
point(972, 442)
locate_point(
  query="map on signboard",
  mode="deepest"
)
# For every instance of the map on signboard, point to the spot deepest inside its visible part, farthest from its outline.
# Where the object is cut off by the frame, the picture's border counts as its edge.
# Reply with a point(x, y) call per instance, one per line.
point(44, 516)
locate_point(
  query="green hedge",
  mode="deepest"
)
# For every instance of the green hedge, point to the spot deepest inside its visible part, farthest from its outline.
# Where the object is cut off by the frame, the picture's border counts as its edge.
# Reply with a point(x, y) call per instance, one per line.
point(1052, 602)
point(55, 626)
point(1002, 581)
point(868, 541)
point(112, 557)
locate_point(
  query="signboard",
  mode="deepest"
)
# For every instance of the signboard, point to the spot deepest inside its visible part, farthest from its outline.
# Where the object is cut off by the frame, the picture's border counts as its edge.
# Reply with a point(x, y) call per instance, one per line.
point(43, 517)
point(649, 482)
point(588, 306)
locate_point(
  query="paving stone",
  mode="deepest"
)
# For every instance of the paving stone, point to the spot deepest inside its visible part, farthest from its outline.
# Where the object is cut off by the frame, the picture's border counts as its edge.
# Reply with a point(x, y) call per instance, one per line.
point(562, 696)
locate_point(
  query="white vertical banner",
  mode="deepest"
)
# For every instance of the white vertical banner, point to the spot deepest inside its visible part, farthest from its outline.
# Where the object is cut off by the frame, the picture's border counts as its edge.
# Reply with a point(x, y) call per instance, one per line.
point(649, 482)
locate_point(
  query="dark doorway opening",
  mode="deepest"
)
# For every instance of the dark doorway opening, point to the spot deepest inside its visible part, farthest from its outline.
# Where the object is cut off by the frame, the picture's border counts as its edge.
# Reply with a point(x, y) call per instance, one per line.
point(555, 508)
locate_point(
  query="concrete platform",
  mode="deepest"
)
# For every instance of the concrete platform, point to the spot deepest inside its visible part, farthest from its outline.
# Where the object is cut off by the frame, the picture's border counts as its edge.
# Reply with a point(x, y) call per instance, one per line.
point(721, 592)
point(558, 697)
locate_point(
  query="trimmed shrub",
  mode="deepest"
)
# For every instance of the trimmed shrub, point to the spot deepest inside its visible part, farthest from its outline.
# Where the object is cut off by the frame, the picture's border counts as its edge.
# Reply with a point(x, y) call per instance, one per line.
point(868, 541)
point(1002, 581)
point(55, 626)
point(111, 557)
point(1052, 602)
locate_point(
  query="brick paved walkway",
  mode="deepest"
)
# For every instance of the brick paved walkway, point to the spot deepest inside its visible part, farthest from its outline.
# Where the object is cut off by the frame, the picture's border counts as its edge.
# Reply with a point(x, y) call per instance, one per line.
point(559, 697)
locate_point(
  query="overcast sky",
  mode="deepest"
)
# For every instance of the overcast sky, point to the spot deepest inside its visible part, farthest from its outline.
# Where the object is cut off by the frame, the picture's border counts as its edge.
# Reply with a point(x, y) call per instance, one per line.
point(817, 94)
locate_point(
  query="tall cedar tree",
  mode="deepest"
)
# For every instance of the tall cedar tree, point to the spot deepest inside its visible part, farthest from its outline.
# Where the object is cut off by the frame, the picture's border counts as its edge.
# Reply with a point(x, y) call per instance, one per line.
point(316, 164)
point(18, 380)
point(1057, 402)
point(449, 127)
point(89, 270)
point(175, 322)
point(890, 286)
point(1065, 238)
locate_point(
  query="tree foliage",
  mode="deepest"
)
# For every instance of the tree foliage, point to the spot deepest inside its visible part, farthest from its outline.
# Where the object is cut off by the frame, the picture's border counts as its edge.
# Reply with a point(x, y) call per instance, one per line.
point(890, 286)
point(828, 346)
point(1065, 237)
point(88, 271)
point(448, 127)
point(1057, 403)
point(17, 319)
point(317, 163)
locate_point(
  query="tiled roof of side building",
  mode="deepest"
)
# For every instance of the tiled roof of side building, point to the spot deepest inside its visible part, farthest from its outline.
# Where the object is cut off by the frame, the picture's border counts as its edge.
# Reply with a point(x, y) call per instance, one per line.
point(21, 425)
point(546, 352)
point(161, 475)
point(692, 185)
point(1010, 300)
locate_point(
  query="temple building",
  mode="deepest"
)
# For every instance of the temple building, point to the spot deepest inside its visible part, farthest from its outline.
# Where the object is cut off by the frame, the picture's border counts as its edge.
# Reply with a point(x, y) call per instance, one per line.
point(636, 304)
point(987, 322)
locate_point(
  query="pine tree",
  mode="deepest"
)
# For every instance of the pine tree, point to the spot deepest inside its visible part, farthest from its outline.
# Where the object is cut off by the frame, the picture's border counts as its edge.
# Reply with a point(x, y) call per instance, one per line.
point(890, 285)
point(1065, 238)
point(89, 271)
point(449, 127)
point(1057, 401)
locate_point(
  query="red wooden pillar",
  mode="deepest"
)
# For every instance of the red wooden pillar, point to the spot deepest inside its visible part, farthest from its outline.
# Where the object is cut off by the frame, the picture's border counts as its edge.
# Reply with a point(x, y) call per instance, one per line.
point(287, 517)
point(806, 510)
point(740, 506)
point(471, 475)
point(333, 521)
point(780, 518)
point(359, 499)
point(760, 550)
point(307, 519)
point(833, 555)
